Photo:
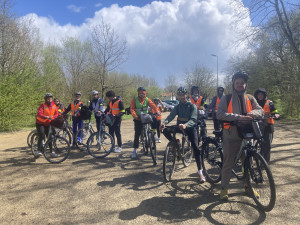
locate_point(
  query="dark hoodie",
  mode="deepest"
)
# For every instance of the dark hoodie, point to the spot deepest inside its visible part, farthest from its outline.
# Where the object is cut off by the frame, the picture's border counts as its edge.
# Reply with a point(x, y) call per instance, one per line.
point(214, 100)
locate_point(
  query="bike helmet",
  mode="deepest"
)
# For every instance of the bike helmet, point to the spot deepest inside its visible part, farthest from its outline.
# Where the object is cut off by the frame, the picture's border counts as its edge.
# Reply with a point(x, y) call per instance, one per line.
point(181, 90)
point(77, 93)
point(260, 90)
point(95, 92)
point(156, 99)
point(240, 74)
point(47, 95)
point(194, 88)
point(141, 89)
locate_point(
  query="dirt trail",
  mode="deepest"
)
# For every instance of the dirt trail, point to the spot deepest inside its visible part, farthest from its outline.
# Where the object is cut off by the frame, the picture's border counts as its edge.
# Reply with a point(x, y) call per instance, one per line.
point(118, 190)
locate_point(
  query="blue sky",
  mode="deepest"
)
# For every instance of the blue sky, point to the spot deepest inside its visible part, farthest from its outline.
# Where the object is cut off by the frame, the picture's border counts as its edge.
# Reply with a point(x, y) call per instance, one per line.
point(163, 37)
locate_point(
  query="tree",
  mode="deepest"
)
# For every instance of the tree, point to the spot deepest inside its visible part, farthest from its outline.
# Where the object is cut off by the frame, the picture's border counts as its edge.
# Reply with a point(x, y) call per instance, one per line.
point(171, 85)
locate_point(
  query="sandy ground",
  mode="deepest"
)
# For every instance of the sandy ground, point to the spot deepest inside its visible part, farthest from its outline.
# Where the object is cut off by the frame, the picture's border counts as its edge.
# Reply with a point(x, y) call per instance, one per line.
point(118, 190)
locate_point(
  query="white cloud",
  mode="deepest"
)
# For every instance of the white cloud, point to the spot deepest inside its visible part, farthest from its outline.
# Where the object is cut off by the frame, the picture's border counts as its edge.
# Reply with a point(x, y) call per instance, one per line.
point(164, 37)
point(74, 8)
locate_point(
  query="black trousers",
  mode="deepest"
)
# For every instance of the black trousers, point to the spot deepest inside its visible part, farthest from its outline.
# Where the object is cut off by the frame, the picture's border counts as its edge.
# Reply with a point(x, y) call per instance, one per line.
point(192, 136)
point(267, 142)
point(115, 129)
point(42, 131)
point(155, 125)
point(216, 122)
point(138, 126)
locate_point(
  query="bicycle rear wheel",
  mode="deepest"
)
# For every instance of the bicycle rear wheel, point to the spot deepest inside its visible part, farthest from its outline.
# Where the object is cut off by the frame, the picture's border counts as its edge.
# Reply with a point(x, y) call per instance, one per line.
point(34, 144)
point(211, 159)
point(100, 146)
point(85, 134)
point(152, 146)
point(169, 161)
point(187, 153)
point(30, 136)
point(56, 150)
point(259, 177)
point(65, 134)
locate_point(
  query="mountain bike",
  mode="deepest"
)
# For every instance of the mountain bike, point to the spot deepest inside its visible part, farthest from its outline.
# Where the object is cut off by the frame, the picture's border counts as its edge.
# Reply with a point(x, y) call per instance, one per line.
point(176, 152)
point(201, 126)
point(83, 134)
point(100, 143)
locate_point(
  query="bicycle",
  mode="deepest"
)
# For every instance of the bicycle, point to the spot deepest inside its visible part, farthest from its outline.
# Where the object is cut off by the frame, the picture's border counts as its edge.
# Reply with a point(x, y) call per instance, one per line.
point(147, 137)
point(67, 132)
point(55, 150)
point(176, 151)
point(201, 126)
point(100, 143)
point(83, 135)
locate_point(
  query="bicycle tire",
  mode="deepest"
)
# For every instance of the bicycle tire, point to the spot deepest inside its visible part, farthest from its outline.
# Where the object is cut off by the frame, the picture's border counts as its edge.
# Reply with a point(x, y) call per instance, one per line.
point(86, 133)
point(259, 177)
point(60, 146)
point(152, 146)
point(145, 142)
point(169, 161)
point(34, 144)
point(102, 148)
point(29, 137)
point(65, 134)
point(187, 153)
point(212, 160)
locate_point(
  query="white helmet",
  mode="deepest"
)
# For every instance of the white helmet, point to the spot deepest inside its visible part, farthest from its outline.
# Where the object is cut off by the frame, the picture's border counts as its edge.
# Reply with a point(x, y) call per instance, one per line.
point(94, 92)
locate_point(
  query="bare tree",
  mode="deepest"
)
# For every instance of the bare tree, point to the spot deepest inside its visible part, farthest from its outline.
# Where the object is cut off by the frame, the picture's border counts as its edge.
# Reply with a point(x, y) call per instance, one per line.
point(109, 52)
point(171, 85)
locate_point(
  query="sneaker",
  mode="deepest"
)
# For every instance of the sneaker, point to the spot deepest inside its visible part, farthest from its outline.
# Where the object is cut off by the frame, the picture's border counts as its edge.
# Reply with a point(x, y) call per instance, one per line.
point(158, 140)
point(118, 149)
point(134, 155)
point(38, 154)
point(248, 192)
point(224, 194)
point(202, 177)
point(79, 143)
point(54, 155)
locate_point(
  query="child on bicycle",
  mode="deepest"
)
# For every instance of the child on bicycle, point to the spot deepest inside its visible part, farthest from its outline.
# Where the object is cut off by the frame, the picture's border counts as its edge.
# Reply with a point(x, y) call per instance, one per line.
point(155, 125)
point(270, 110)
point(187, 115)
point(46, 112)
point(138, 105)
point(240, 107)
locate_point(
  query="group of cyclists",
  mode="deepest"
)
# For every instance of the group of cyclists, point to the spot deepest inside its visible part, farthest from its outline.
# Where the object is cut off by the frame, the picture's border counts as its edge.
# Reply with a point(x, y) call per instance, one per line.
point(226, 109)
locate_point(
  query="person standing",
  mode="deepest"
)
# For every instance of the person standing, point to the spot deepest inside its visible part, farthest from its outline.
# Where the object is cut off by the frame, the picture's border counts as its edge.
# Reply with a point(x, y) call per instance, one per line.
point(60, 106)
point(97, 105)
point(213, 107)
point(235, 107)
point(116, 108)
point(270, 110)
point(138, 105)
point(46, 113)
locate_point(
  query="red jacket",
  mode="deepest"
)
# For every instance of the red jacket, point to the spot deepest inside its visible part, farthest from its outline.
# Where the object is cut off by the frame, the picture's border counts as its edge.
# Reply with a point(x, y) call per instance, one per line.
point(46, 110)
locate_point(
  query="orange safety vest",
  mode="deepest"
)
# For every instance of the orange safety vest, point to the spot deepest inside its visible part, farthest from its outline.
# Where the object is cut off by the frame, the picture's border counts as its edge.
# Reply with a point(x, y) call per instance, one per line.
point(114, 108)
point(47, 112)
point(157, 109)
point(268, 112)
point(230, 110)
point(217, 103)
point(198, 103)
point(74, 108)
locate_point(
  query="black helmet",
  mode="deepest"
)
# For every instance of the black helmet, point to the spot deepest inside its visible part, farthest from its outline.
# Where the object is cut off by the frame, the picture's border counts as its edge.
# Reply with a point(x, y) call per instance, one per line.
point(220, 88)
point(47, 95)
point(240, 74)
point(77, 93)
point(141, 89)
point(156, 99)
point(262, 90)
point(194, 88)
point(181, 90)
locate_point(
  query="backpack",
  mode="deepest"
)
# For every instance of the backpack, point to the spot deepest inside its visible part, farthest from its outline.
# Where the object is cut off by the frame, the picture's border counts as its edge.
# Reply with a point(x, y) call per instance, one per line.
point(85, 113)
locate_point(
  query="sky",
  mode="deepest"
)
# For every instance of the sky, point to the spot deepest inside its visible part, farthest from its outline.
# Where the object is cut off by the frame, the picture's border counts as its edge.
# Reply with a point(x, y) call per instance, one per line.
point(163, 37)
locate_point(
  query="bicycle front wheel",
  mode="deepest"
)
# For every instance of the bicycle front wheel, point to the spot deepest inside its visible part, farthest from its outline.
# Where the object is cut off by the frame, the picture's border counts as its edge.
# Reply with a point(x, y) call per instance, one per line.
point(187, 153)
point(81, 141)
point(211, 159)
point(260, 179)
point(152, 146)
point(100, 145)
point(34, 144)
point(30, 136)
point(57, 150)
point(169, 161)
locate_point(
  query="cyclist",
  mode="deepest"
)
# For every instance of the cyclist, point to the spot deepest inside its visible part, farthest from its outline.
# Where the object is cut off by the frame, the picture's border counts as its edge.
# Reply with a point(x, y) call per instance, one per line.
point(241, 107)
point(186, 120)
point(97, 104)
point(196, 98)
point(46, 112)
point(59, 106)
point(75, 107)
point(139, 104)
point(116, 108)
point(155, 125)
point(213, 107)
point(269, 108)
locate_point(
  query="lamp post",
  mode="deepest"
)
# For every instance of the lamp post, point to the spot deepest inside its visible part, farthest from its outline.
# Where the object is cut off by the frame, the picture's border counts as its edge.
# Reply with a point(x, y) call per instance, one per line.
point(217, 68)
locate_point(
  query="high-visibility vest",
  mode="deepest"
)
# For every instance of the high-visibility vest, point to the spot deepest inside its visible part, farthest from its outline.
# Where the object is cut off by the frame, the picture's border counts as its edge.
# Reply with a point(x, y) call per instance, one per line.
point(198, 102)
point(268, 112)
point(114, 108)
point(74, 108)
point(47, 112)
point(230, 110)
point(159, 110)
point(139, 107)
point(217, 103)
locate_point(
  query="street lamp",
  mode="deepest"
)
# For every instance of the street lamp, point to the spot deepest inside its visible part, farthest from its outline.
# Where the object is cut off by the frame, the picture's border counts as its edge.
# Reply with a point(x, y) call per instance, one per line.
point(217, 69)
